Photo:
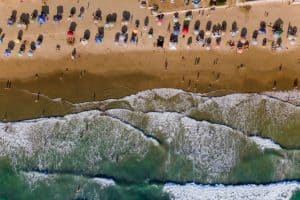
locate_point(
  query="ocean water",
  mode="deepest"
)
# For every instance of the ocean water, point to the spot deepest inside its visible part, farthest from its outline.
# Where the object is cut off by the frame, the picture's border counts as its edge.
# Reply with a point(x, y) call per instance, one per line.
point(153, 144)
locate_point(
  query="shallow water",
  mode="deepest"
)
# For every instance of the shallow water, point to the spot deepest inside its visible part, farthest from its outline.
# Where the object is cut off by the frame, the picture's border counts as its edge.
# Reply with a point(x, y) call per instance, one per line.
point(145, 140)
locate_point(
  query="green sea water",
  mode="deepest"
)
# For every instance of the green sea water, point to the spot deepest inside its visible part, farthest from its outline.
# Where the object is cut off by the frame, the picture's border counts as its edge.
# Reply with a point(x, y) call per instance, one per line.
point(296, 195)
point(143, 145)
point(14, 186)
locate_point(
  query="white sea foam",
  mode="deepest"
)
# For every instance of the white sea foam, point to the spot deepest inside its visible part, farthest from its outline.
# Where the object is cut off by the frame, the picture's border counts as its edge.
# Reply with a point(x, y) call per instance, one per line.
point(265, 143)
point(167, 93)
point(292, 96)
point(104, 182)
point(34, 178)
point(280, 191)
point(211, 147)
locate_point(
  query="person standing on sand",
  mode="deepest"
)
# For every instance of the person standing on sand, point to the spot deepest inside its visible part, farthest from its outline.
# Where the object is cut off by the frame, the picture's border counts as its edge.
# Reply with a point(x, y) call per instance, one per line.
point(166, 64)
point(73, 54)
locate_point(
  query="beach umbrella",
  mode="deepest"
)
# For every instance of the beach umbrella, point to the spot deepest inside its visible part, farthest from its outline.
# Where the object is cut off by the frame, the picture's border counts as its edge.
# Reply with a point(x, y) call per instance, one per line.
point(254, 34)
point(87, 34)
point(239, 44)
point(2, 38)
point(224, 25)
point(73, 26)
point(196, 3)
point(189, 15)
point(117, 37)
point(133, 38)
point(146, 22)
point(57, 18)
point(277, 28)
point(150, 32)
point(262, 27)
point(98, 14)
point(22, 49)
point(208, 25)
point(295, 29)
point(279, 41)
point(39, 41)
point(101, 31)
point(264, 42)
point(200, 37)
point(189, 41)
point(98, 38)
point(114, 17)
point(32, 46)
point(45, 10)
point(176, 17)
point(215, 30)
point(12, 19)
point(231, 43)
point(7, 52)
point(159, 19)
point(125, 37)
point(24, 18)
point(143, 4)
point(42, 19)
point(185, 28)
point(34, 15)
point(137, 23)
point(196, 27)
point(59, 10)
point(254, 37)
point(160, 41)
point(154, 9)
point(173, 38)
point(11, 45)
point(72, 11)
point(234, 28)
point(244, 32)
point(108, 18)
point(19, 37)
point(70, 34)
point(218, 41)
point(126, 16)
point(81, 12)
point(208, 41)
point(124, 29)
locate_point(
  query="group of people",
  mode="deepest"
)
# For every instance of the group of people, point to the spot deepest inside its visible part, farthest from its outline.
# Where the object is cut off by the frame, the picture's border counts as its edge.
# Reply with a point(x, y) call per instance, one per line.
point(210, 32)
point(177, 28)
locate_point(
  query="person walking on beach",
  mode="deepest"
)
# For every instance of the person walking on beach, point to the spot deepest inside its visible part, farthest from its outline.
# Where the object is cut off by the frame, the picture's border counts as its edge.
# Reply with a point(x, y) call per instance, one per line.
point(197, 60)
point(166, 64)
point(73, 54)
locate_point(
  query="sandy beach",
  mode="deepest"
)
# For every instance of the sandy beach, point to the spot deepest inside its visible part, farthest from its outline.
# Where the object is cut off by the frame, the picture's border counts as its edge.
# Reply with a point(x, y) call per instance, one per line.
point(112, 71)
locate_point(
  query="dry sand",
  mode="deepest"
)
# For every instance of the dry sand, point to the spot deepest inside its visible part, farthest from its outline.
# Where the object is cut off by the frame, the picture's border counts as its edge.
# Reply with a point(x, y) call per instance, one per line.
point(109, 71)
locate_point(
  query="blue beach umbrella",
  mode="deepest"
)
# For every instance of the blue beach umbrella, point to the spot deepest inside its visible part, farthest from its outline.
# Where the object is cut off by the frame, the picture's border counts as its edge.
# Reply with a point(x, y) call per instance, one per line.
point(41, 19)
point(7, 52)
point(98, 39)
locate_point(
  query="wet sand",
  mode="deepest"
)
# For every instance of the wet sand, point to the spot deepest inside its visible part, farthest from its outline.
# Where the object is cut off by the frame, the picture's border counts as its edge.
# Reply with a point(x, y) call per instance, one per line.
point(109, 71)
point(99, 77)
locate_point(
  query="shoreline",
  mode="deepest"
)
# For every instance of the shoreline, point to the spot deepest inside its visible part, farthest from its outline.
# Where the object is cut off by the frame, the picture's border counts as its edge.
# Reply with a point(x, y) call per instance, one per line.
point(99, 77)
point(108, 71)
